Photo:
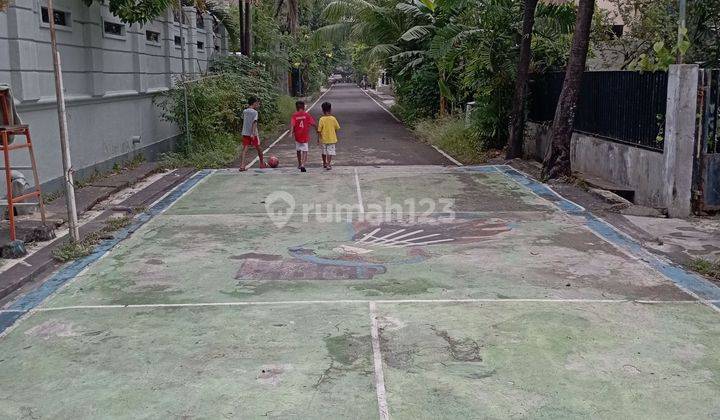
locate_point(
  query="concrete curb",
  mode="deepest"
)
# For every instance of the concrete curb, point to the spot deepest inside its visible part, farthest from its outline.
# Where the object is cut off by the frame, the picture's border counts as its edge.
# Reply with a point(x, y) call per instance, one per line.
point(42, 262)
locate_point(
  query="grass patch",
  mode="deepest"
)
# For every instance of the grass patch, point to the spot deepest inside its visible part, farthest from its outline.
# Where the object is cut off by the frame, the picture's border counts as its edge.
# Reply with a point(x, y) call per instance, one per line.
point(71, 250)
point(706, 267)
point(450, 135)
point(224, 150)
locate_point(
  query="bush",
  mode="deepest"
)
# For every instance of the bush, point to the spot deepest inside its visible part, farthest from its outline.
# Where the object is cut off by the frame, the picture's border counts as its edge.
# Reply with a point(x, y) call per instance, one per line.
point(215, 106)
point(450, 135)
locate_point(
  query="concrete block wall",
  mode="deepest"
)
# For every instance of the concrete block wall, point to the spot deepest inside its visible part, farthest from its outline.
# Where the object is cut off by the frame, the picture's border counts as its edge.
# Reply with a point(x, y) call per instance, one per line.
point(624, 165)
point(662, 180)
point(109, 81)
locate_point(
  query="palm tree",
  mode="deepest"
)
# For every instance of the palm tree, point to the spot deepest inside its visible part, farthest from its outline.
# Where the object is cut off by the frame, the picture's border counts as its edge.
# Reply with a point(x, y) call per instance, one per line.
point(557, 162)
point(293, 14)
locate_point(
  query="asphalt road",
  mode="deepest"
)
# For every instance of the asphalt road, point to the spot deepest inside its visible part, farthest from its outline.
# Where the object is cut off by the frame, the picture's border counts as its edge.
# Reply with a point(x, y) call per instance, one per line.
point(369, 135)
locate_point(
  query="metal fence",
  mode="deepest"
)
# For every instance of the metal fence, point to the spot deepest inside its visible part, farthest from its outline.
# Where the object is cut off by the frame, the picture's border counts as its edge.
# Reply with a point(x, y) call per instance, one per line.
point(622, 106)
point(710, 82)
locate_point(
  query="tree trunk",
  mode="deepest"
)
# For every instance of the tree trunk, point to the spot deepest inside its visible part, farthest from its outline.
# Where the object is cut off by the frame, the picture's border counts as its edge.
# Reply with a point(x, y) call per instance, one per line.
point(241, 25)
point(517, 115)
point(247, 36)
point(557, 162)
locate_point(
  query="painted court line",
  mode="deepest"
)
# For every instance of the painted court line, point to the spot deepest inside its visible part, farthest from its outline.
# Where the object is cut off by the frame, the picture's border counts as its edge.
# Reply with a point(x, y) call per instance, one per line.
point(690, 283)
point(31, 300)
point(359, 191)
point(353, 302)
point(377, 364)
point(282, 136)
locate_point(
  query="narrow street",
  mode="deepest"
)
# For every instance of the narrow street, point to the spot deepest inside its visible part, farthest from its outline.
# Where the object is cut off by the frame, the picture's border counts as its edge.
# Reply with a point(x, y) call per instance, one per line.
point(397, 285)
point(369, 135)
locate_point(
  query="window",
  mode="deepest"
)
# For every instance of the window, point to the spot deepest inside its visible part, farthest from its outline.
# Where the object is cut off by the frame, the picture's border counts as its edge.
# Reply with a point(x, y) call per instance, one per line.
point(112, 28)
point(61, 18)
point(199, 21)
point(200, 46)
point(178, 41)
point(152, 36)
point(217, 48)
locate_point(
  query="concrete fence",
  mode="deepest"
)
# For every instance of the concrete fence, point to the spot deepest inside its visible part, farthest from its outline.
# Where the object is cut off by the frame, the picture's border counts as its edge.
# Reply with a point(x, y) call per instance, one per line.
point(661, 179)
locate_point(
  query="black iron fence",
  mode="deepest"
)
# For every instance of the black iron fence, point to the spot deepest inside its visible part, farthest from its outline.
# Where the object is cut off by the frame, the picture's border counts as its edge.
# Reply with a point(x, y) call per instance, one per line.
point(710, 81)
point(621, 106)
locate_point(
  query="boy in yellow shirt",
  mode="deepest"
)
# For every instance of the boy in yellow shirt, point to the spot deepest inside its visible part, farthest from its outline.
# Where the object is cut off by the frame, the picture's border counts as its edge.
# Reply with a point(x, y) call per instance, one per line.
point(327, 129)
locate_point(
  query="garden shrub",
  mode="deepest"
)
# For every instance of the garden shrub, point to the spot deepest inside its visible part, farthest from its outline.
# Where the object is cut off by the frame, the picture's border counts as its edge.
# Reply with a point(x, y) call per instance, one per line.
point(451, 135)
point(215, 105)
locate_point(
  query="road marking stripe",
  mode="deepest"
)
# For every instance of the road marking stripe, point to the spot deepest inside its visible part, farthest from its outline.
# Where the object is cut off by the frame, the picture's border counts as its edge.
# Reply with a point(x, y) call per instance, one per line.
point(359, 191)
point(450, 158)
point(381, 106)
point(257, 158)
point(442, 152)
point(377, 363)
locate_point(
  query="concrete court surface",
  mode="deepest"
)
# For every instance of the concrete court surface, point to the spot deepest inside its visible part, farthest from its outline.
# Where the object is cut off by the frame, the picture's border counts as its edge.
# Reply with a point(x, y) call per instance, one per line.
point(500, 305)
point(368, 135)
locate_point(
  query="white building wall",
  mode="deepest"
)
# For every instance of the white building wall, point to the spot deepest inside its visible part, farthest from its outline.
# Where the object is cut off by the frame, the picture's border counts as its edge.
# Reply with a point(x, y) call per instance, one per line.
point(109, 81)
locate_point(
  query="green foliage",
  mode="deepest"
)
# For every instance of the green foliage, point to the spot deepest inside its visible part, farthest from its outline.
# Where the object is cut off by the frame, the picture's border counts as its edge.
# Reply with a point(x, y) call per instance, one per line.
point(442, 54)
point(651, 39)
point(706, 267)
point(144, 11)
point(278, 50)
point(215, 105)
point(417, 95)
point(450, 135)
point(133, 11)
point(71, 250)
point(662, 58)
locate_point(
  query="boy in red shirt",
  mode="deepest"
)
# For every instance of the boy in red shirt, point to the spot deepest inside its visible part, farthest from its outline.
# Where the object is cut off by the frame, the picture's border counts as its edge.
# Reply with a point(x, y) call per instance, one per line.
point(300, 128)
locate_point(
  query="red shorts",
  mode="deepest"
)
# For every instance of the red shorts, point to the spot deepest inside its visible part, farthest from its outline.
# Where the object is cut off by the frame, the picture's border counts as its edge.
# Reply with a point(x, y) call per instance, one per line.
point(251, 141)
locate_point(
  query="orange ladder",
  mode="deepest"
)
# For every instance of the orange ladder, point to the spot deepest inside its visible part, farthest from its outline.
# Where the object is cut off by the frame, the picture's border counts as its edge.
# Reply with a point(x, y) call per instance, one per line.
point(6, 131)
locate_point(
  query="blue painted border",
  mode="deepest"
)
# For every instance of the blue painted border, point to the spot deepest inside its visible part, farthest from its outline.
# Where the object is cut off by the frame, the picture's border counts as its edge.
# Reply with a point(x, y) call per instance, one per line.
point(682, 278)
point(68, 272)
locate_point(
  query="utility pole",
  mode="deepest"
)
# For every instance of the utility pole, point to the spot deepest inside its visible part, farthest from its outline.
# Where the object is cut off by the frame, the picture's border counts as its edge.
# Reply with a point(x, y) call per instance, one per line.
point(682, 29)
point(62, 120)
point(188, 137)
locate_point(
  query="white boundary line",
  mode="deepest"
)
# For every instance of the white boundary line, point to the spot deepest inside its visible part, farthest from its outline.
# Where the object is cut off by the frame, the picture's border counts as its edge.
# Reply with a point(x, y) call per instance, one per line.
point(359, 191)
point(623, 250)
point(285, 133)
point(81, 273)
point(377, 364)
point(439, 150)
point(353, 302)
point(450, 158)
point(87, 217)
point(381, 106)
point(546, 184)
